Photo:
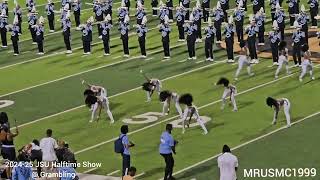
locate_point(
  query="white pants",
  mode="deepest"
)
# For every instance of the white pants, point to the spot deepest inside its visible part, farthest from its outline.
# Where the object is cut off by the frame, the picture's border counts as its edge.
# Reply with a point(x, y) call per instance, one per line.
point(105, 105)
point(165, 108)
point(286, 110)
point(227, 93)
point(241, 62)
point(306, 65)
point(186, 113)
point(282, 61)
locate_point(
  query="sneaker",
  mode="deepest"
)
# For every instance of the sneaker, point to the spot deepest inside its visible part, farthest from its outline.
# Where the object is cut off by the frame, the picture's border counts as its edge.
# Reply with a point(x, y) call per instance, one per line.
point(253, 61)
point(143, 56)
point(260, 44)
point(78, 29)
point(300, 65)
point(288, 126)
point(296, 65)
point(170, 20)
point(166, 57)
point(211, 60)
point(218, 42)
point(126, 55)
point(15, 54)
point(275, 64)
point(100, 37)
point(314, 27)
point(106, 54)
point(205, 133)
point(154, 15)
point(189, 58)
point(194, 57)
point(181, 40)
point(199, 40)
point(276, 77)
point(230, 61)
point(34, 42)
point(236, 79)
point(300, 79)
point(257, 61)
point(90, 121)
point(112, 121)
point(4, 46)
point(40, 53)
point(312, 78)
point(51, 31)
point(208, 59)
point(68, 52)
point(251, 74)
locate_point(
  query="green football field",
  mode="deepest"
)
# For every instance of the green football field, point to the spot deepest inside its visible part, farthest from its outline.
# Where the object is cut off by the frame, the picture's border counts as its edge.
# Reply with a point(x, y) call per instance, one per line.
point(47, 93)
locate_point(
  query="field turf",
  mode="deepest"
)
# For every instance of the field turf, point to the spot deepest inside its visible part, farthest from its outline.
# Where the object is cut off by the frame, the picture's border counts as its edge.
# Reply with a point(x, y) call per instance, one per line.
point(48, 94)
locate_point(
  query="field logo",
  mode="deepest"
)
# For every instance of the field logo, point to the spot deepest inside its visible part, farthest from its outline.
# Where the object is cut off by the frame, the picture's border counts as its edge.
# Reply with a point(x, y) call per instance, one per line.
point(150, 117)
point(5, 103)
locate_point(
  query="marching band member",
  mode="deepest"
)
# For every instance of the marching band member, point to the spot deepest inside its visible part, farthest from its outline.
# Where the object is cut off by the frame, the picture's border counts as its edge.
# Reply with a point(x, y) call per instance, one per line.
point(124, 30)
point(277, 104)
point(142, 31)
point(191, 30)
point(122, 11)
point(224, 6)
point(274, 37)
point(151, 85)
point(39, 30)
point(197, 16)
point(229, 91)
point(87, 36)
point(218, 16)
point(98, 11)
point(260, 20)
point(307, 63)
point(165, 34)
point(169, 5)
point(163, 11)
point(257, 5)
point(205, 9)
point(303, 19)
point(106, 26)
point(280, 17)
point(30, 4)
point(251, 30)
point(180, 16)
point(243, 60)
point(140, 12)
point(298, 40)
point(15, 32)
point(18, 12)
point(239, 15)
point(314, 8)
point(32, 20)
point(77, 13)
point(4, 6)
point(66, 26)
point(283, 58)
point(293, 9)
point(50, 14)
point(273, 4)
point(210, 32)
point(154, 5)
point(3, 29)
point(229, 39)
point(165, 97)
point(186, 6)
point(189, 112)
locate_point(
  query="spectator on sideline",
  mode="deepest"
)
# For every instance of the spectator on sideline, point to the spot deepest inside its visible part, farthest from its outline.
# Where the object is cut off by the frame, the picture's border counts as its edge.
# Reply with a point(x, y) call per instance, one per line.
point(228, 164)
point(60, 150)
point(4, 120)
point(131, 174)
point(126, 153)
point(166, 148)
point(48, 146)
point(23, 170)
point(36, 154)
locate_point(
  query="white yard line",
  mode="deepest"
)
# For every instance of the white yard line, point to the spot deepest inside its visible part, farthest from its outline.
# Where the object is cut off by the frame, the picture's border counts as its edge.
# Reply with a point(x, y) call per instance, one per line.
point(62, 52)
point(246, 143)
point(112, 173)
point(168, 119)
point(75, 108)
point(82, 72)
point(89, 170)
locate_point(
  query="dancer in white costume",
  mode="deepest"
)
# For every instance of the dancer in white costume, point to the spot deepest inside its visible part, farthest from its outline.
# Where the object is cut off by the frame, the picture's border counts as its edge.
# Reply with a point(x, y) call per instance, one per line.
point(306, 63)
point(243, 60)
point(190, 111)
point(166, 97)
point(283, 58)
point(277, 104)
point(229, 91)
point(150, 86)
